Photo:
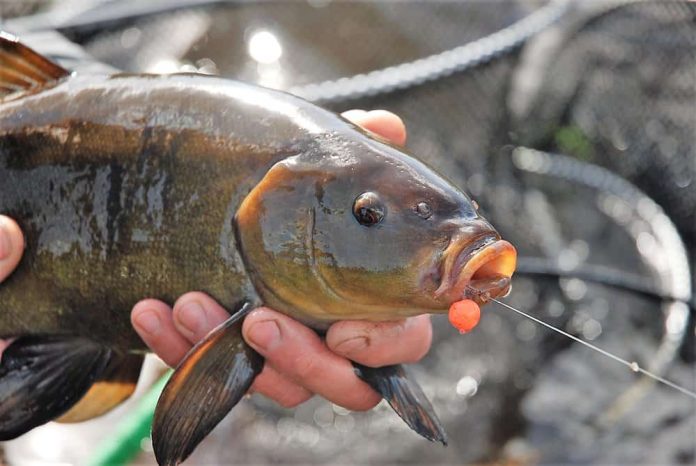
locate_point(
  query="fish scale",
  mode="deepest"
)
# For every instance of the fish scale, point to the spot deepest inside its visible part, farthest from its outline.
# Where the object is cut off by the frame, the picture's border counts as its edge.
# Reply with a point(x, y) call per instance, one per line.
point(128, 186)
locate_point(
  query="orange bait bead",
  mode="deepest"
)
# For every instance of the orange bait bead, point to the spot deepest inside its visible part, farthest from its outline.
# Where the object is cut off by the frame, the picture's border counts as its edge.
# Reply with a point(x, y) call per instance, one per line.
point(464, 315)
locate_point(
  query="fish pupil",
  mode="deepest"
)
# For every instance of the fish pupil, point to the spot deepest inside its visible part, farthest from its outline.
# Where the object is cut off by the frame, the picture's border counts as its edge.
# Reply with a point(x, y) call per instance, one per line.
point(424, 210)
point(368, 216)
point(368, 209)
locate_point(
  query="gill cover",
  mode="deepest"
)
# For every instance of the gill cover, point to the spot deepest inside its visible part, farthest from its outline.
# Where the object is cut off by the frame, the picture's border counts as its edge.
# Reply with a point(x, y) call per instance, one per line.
point(351, 228)
point(274, 227)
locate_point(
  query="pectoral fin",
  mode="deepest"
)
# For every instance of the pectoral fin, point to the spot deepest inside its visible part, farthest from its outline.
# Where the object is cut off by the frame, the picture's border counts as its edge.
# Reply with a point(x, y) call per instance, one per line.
point(41, 377)
point(112, 388)
point(406, 397)
point(206, 385)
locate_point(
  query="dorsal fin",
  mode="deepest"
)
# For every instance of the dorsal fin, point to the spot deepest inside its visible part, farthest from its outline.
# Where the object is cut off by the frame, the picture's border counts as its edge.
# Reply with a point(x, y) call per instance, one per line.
point(22, 69)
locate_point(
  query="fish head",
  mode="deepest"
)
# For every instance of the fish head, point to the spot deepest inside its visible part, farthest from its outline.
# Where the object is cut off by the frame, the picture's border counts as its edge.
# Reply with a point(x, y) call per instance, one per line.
point(354, 228)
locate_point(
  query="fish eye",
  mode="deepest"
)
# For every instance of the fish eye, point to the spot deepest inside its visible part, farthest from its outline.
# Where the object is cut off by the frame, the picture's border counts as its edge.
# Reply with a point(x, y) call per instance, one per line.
point(424, 210)
point(368, 209)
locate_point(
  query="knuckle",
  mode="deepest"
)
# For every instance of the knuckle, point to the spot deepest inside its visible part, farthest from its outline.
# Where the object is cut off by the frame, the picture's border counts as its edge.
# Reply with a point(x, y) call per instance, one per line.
point(280, 389)
point(305, 366)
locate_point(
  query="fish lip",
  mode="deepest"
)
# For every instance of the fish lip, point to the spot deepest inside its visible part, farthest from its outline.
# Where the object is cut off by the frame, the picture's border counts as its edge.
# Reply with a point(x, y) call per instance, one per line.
point(469, 257)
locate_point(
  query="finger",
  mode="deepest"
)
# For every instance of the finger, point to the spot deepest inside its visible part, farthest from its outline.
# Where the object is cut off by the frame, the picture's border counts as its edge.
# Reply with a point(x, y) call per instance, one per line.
point(195, 314)
point(382, 122)
point(153, 321)
point(377, 344)
point(355, 115)
point(299, 354)
point(11, 246)
point(3, 345)
point(279, 388)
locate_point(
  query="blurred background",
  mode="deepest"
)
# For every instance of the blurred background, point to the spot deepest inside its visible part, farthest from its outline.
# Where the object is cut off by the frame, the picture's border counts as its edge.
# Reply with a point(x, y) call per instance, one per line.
point(571, 123)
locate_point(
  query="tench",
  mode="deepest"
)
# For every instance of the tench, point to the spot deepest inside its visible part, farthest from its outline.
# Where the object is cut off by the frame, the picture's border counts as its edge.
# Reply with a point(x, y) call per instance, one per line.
point(132, 186)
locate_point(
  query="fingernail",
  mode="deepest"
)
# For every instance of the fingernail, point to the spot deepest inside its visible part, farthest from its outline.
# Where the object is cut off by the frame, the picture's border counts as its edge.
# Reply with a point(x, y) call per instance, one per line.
point(355, 113)
point(264, 334)
point(193, 317)
point(5, 245)
point(149, 322)
point(351, 345)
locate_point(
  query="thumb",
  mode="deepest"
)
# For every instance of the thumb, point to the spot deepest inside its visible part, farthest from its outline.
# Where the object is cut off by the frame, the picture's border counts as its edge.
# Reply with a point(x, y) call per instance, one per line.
point(11, 246)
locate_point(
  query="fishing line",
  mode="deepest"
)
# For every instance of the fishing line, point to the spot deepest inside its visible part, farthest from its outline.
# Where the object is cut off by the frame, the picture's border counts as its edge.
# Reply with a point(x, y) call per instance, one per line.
point(630, 364)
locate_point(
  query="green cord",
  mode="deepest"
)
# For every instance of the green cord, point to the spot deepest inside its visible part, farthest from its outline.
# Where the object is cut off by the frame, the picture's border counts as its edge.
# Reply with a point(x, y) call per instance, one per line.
point(125, 443)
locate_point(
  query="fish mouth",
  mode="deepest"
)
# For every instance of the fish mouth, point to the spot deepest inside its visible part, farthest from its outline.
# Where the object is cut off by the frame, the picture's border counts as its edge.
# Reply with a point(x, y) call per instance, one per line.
point(478, 269)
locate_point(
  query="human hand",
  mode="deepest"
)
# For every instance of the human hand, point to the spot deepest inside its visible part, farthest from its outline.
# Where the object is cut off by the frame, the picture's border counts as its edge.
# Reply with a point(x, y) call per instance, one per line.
point(11, 249)
point(298, 363)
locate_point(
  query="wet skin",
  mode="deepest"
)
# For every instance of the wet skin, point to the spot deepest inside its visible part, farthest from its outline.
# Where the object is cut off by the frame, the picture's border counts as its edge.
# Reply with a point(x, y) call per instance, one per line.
point(286, 344)
point(298, 209)
point(285, 377)
point(119, 211)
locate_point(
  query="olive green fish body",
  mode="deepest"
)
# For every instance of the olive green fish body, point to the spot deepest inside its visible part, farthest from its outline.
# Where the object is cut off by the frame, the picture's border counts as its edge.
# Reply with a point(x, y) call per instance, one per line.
point(126, 187)
point(135, 186)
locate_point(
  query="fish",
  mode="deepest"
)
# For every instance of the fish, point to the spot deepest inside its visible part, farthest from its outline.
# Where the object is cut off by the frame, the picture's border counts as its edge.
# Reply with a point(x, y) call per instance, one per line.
point(134, 185)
